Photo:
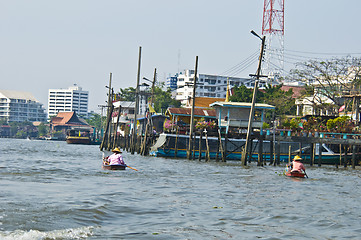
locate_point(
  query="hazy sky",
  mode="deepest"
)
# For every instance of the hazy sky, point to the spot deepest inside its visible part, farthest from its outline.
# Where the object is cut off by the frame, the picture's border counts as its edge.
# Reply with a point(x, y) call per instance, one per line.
point(54, 44)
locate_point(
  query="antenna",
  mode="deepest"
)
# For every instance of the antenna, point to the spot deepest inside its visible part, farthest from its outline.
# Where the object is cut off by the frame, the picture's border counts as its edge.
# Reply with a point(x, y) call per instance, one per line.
point(273, 26)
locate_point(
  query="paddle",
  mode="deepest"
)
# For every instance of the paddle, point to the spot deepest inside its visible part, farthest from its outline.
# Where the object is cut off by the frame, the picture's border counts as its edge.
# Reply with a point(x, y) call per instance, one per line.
point(305, 174)
point(137, 169)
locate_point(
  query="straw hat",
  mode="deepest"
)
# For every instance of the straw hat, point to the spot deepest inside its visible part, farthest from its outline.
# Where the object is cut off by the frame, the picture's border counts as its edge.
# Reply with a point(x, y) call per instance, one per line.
point(116, 150)
point(297, 158)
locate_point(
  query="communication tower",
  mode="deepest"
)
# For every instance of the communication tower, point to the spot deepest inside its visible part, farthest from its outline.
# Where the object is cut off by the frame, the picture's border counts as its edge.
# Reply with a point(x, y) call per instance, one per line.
point(273, 28)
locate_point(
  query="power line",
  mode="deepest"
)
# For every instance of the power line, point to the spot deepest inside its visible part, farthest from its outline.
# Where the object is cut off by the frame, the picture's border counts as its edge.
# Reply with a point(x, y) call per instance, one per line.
point(242, 65)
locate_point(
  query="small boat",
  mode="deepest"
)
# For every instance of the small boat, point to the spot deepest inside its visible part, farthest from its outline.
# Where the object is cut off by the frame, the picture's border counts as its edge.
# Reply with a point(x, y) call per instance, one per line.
point(114, 167)
point(295, 174)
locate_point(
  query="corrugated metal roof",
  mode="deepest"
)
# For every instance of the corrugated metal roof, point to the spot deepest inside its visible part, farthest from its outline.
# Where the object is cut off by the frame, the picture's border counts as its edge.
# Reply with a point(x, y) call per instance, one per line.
point(242, 105)
point(197, 112)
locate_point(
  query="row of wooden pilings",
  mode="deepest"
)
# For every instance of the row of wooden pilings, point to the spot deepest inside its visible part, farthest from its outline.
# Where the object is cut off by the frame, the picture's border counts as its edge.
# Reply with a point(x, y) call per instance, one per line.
point(142, 144)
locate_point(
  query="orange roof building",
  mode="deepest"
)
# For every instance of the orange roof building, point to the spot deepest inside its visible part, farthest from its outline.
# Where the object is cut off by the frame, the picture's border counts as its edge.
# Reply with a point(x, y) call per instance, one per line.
point(66, 120)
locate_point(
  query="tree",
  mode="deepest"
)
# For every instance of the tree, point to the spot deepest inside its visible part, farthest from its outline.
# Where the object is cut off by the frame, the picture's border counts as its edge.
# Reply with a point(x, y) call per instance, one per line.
point(126, 94)
point(242, 94)
point(96, 120)
point(163, 99)
point(282, 100)
point(272, 95)
point(43, 129)
point(329, 79)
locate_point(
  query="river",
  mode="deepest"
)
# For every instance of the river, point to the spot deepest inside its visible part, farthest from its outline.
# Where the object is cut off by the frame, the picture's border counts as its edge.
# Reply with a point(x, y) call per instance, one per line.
point(54, 190)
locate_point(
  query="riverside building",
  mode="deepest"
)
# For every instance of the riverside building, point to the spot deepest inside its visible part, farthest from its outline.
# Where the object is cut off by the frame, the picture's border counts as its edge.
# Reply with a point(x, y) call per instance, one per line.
point(73, 99)
point(214, 86)
point(18, 106)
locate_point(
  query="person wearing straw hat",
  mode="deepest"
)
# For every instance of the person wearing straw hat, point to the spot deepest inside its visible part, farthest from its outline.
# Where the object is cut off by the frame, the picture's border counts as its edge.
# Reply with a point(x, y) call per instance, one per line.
point(297, 165)
point(116, 158)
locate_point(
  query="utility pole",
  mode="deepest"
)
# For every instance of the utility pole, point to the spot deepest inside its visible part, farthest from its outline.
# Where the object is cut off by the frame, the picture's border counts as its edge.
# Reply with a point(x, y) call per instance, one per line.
point(251, 114)
point(190, 145)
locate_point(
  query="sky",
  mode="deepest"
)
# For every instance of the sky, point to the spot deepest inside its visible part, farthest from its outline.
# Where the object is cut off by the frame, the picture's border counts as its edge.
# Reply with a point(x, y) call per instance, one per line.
point(48, 44)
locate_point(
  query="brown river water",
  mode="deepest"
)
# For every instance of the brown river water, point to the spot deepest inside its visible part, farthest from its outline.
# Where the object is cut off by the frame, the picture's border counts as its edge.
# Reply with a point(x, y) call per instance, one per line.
point(54, 190)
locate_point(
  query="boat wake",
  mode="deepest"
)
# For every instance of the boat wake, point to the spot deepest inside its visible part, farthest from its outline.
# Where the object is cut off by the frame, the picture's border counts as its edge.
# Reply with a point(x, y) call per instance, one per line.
point(71, 233)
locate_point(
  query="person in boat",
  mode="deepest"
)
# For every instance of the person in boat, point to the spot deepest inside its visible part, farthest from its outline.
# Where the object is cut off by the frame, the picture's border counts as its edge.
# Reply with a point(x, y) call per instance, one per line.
point(115, 159)
point(297, 165)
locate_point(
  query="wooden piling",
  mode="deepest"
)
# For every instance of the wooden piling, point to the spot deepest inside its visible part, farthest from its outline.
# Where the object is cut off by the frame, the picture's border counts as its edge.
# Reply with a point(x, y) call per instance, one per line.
point(354, 151)
point(319, 154)
point(278, 152)
point(200, 146)
point(176, 143)
point(345, 157)
point(260, 151)
point(208, 157)
point(271, 158)
point(289, 153)
point(221, 145)
point(312, 154)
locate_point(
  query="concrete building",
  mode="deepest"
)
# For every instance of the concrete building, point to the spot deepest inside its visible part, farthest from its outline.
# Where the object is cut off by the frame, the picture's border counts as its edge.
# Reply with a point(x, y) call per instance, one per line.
point(68, 100)
point(17, 106)
point(172, 82)
point(214, 86)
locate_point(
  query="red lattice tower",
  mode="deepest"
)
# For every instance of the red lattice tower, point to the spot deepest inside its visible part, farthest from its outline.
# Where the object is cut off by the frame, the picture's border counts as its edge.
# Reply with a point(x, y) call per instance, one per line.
point(273, 28)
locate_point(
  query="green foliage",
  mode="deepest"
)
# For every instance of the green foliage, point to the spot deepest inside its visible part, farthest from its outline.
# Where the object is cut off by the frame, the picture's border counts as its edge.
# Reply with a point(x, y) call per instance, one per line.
point(273, 95)
point(126, 94)
point(43, 129)
point(340, 124)
point(329, 77)
point(294, 124)
point(241, 94)
point(266, 125)
point(163, 99)
point(282, 100)
point(96, 120)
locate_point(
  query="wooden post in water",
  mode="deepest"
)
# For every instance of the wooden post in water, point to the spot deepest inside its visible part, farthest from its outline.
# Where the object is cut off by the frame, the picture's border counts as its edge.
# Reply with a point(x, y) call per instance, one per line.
point(221, 145)
point(312, 153)
point(176, 143)
point(116, 128)
point(260, 151)
point(208, 156)
point(271, 159)
point(200, 146)
point(105, 138)
point(278, 152)
point(251, 114)
point(354, 151)
point(134, 132)
point(194, 146)
point(225, 147)
point(189, 152)
point(289, 154)
point(319, 154)
point(345, 158)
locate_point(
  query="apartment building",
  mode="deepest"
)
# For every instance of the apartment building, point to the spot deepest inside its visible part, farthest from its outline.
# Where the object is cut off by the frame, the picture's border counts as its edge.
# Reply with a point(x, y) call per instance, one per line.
point(68, 100)
point(214, 86)
point(18, 106)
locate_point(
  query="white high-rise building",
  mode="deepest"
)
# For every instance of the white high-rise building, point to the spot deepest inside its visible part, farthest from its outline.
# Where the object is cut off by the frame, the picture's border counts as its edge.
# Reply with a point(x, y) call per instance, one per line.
point(17, 106)
point(207, 85)
point(68, 100)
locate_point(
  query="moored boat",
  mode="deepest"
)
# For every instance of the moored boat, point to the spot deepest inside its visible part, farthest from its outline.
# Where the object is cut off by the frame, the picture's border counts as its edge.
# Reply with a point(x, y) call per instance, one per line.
point(78, 136)
point(172, 145)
